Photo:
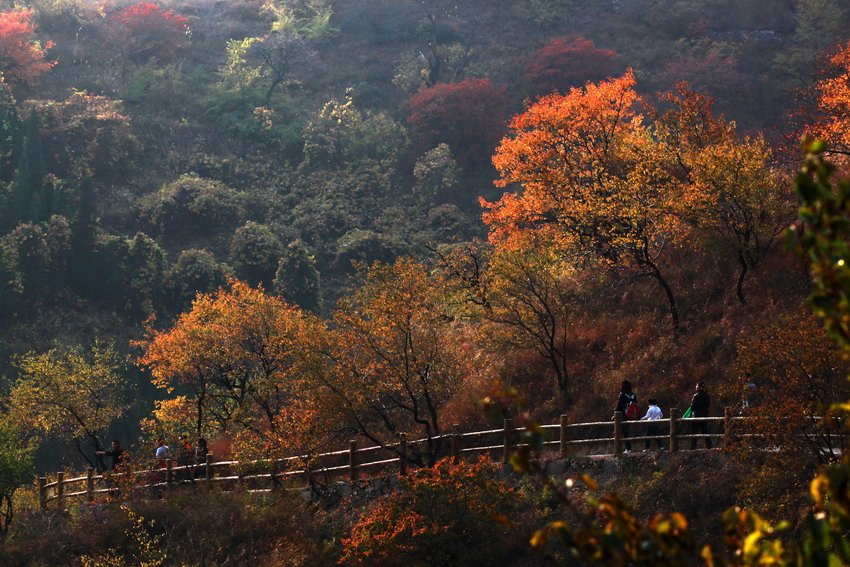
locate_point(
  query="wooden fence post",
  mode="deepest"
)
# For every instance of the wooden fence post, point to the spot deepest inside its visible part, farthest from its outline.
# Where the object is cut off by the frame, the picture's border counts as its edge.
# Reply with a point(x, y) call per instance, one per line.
point(352, 460)
point(60, 489)
point(402, 454)
point(208, 473)
point(562, 446)
point(90, 485)
point(273, 473)
point(508, 437)
point(727, 419)
point(618, 432)
point(674, 433)
point(169, 465)
point(457, 442)
point(42, 492)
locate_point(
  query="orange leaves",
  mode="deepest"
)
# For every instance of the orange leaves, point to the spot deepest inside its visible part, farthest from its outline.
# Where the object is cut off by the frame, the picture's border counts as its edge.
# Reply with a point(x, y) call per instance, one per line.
point(834, 102)
point(568, 139)
point(796, 373)
point(398, 356)
point(593, 177)
point(22, 58)
point(689, 125)
point(242, 354)
point(451, 514)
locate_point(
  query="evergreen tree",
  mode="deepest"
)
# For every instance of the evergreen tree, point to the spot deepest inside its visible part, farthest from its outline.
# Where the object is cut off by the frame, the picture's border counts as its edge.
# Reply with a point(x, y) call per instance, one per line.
point(31, 198)
point(10, 133)
point(84, 234)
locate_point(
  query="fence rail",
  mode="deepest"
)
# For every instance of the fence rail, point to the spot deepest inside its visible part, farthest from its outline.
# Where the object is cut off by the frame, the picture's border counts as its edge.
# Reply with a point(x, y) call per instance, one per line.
point(603, 438)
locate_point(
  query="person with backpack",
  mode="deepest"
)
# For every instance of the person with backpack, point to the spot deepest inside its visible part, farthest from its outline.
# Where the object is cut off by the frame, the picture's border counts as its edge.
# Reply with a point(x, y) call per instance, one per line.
point(699, 408)
point(627, 403)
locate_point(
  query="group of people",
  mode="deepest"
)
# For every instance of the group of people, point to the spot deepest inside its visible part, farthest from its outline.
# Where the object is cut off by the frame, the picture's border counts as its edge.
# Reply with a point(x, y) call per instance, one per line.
point(700, 404)
point(186, 454)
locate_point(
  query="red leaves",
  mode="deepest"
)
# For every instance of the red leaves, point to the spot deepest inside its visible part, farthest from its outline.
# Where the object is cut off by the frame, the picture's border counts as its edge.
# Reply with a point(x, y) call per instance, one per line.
point(468, 116)
point(451, 514)
point(22, 59)
point(145, 30)
point(566, 62)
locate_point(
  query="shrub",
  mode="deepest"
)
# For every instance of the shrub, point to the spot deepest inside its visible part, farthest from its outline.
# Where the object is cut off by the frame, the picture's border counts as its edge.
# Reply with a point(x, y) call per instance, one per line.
point(364, 246)
point(196, 271)
point(468, 116)
point(255, 253)
point(193, 206)
point(565, 62)
point(144, 30)
point(86, 135)
point(451, 514)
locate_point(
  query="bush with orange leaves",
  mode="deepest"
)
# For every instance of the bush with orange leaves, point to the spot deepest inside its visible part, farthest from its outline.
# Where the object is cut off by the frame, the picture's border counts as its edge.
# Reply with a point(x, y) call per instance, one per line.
point(451, 514)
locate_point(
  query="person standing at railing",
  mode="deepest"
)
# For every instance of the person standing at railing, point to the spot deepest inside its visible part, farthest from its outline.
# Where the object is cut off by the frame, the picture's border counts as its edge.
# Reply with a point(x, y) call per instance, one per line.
point(653, 413)
point(163, 455)
point(163, 452)
point(185, 456)
point(116, 453)
point(201, 451)
point(700, 404)
point(625, 398)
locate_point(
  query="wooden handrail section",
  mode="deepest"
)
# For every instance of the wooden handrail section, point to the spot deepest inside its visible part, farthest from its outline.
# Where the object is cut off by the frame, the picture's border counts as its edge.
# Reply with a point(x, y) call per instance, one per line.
point(352, 462)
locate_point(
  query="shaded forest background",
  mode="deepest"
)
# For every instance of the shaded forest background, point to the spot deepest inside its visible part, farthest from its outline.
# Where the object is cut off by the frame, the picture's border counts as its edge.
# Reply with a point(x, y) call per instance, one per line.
point(152, 152)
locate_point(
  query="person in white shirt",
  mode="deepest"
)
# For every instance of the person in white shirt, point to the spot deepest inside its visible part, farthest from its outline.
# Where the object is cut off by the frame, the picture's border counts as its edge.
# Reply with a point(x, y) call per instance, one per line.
point(653, 413)
point(162, 451)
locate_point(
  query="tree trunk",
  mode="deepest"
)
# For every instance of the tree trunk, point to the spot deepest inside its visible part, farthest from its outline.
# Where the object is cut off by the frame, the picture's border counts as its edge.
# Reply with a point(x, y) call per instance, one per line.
point(740, 286)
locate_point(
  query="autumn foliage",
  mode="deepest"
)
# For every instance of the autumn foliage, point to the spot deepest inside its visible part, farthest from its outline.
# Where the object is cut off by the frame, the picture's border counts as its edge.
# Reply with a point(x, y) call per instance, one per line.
point(144, 30)
point(566, 62)
point(22, 57)
point(450, 514)
point(398, 356)
point(831, 121)
point(469, 116)
point(238, 355)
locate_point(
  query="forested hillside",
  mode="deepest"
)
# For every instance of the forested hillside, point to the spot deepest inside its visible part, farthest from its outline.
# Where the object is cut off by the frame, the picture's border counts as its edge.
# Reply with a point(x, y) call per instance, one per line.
point(284, 224)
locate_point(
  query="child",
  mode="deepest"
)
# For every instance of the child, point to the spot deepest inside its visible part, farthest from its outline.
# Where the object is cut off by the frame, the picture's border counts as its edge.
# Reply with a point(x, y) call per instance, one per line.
point(653, 413)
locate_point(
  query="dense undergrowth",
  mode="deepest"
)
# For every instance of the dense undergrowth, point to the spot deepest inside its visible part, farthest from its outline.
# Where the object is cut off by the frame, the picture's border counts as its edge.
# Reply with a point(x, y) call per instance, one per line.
point(282, 225)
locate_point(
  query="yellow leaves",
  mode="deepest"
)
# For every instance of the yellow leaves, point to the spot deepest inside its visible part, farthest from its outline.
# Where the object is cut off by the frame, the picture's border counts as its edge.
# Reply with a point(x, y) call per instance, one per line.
point(69, 392)
point(236, 73)
point(753, 541)
point(244, 355)
point(540, 538)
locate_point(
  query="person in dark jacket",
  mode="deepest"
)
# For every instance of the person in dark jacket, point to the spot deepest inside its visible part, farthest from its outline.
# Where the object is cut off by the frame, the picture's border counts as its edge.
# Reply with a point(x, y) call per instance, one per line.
point(115, 452)
point(700, 404)
point(623, 400)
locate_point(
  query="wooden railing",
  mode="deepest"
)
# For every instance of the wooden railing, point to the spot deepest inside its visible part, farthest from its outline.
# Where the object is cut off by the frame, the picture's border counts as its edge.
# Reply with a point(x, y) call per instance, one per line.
point(602, 438)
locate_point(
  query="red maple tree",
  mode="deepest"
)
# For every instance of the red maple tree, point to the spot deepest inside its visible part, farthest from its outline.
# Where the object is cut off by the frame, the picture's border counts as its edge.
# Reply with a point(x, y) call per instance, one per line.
point(22, 58)
point(469, 116)
point(565, 62)
point(143, 31)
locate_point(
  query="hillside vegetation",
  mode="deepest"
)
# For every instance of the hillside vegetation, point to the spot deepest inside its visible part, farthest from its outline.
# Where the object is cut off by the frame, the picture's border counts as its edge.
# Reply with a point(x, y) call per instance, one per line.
point(284, 224)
